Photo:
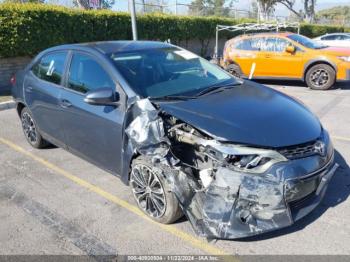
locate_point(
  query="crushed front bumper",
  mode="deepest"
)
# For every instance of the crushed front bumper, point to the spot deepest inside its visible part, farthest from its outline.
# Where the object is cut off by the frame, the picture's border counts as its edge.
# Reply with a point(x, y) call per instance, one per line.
point(237, 205)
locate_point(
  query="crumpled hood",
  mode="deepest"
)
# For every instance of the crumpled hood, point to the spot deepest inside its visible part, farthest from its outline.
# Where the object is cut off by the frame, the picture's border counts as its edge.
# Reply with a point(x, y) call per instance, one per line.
point(250, 114)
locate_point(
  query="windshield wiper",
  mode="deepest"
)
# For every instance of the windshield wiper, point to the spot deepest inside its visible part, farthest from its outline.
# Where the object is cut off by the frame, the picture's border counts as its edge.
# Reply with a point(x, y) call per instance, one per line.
point(216, 88)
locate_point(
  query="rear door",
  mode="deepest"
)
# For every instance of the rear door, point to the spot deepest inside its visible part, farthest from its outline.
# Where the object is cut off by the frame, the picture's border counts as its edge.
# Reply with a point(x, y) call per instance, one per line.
point(93, 132)
point(275, 62)
point(243, 54)
point(42, 87)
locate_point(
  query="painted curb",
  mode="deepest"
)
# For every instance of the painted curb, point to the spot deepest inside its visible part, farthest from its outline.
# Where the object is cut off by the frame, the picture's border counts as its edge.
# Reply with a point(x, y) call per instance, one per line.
point(7, 105)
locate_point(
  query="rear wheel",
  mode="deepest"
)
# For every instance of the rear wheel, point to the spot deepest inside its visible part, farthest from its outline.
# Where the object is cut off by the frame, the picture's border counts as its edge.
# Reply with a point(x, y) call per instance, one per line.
point(320, 77)
point(152, 193)
point(31, 131)
point(234, 70)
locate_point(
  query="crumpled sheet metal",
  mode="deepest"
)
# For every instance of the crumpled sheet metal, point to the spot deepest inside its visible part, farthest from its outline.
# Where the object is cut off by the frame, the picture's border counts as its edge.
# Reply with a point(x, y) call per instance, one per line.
point(146, 131)
point(234, 205)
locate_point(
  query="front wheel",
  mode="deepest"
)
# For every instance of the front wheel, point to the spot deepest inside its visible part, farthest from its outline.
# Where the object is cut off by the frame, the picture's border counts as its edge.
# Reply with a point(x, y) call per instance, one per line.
point(152, 193)
point(234, 70)
point(320, 77)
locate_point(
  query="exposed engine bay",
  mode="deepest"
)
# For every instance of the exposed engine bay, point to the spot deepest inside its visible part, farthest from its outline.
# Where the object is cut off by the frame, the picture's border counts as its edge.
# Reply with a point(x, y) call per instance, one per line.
point(225, 190)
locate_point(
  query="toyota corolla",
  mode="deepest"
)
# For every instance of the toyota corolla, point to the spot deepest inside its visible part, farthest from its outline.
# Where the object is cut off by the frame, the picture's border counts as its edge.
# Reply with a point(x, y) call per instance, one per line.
point(237, 158)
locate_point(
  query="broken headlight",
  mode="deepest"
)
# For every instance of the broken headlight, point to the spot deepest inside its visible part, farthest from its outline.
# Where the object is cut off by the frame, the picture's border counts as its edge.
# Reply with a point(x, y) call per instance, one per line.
point(245, 159)
point(239, 157)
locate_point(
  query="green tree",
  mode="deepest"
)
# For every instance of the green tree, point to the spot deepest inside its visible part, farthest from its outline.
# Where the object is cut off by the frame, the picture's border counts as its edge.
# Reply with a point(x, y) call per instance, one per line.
point(211, 7)
point(84, 4)
point(24, 1)
point(336, 15)
point(308, 11)
point(266, 8)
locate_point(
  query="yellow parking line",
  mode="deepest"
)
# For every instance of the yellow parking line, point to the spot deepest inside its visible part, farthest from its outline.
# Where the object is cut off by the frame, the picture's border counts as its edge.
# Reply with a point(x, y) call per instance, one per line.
point(341, 138)
point(192, 240)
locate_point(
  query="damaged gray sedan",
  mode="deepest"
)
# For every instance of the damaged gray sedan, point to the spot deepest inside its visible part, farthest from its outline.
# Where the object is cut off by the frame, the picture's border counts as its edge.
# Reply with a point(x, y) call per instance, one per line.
point(237, 158)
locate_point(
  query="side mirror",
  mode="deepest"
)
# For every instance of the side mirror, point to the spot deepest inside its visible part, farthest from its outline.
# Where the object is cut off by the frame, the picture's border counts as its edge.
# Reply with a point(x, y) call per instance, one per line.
point(102, 97)
point(290, 49)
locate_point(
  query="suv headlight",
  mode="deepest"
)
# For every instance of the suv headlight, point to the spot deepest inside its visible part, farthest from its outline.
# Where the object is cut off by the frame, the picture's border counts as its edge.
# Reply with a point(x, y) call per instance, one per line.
point(245, 159)
point(344, 58)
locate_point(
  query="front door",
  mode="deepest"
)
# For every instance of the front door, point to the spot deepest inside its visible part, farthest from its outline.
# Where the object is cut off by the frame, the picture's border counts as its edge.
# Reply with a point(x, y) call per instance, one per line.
point(275, 62)
point(94, 132)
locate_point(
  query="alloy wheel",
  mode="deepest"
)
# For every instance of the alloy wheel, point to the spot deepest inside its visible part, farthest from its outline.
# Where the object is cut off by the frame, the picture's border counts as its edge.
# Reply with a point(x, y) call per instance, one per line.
point(319, 77)
point(148, 190)
point(29, 128)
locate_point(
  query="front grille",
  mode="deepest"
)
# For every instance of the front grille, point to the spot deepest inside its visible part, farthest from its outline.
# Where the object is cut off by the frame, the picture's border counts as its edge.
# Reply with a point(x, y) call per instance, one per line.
point(299, 151)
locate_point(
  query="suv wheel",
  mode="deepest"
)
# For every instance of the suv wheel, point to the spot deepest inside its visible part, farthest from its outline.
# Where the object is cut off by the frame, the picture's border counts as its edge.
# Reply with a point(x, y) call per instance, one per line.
point(320, 77)
point(30, 130)
point(234, 70)
point(152, 193)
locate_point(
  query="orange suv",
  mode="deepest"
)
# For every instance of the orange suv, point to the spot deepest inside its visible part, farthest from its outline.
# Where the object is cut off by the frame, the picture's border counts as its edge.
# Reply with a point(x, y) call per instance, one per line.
point(286, 56)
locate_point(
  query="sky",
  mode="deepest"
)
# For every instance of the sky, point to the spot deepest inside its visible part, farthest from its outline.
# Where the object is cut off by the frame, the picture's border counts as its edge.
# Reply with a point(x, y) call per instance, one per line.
point(321, 4)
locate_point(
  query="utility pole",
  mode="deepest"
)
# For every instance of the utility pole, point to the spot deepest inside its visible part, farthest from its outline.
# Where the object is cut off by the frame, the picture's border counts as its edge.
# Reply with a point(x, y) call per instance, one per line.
point(133, 19)
point(259, 11)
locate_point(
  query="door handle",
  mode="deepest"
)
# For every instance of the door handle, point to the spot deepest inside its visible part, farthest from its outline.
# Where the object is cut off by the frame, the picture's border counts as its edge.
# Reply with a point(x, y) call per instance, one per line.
point(29, 89)
point(65, 103)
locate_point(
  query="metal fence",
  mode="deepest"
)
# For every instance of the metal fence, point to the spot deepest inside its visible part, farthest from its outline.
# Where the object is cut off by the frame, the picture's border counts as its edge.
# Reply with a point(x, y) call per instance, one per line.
point(176, 7)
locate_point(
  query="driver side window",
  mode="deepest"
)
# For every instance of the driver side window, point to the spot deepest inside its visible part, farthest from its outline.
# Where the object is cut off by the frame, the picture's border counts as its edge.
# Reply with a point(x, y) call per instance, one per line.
point(85, 74)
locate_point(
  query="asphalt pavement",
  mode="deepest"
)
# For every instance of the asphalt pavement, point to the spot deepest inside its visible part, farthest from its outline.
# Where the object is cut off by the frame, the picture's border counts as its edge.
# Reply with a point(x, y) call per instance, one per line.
point(52, 202)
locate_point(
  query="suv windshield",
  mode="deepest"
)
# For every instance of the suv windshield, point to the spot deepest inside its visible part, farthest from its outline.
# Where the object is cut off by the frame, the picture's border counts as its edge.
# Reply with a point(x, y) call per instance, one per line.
point(307, 42)
point(164, 72)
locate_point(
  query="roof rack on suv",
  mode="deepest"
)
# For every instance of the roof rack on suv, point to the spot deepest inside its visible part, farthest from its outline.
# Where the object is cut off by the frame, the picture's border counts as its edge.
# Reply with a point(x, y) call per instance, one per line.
point(252, 27)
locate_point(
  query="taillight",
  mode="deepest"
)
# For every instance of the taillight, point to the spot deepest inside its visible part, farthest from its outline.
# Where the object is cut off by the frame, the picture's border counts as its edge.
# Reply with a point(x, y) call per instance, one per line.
point(13, 80)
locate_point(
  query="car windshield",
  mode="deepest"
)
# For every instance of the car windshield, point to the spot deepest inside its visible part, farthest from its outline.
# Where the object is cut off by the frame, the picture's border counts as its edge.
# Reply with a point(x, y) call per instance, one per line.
point(165, 72)
point(307, 42)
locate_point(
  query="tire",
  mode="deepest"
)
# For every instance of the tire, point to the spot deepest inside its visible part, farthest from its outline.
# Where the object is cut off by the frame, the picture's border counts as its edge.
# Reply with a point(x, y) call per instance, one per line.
point(30, 130)
point(320, 77)
point(234, 70)
point(141, 167)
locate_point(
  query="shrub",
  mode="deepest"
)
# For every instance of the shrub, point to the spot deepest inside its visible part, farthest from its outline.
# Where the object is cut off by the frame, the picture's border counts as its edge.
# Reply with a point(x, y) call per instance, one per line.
point(27, 29)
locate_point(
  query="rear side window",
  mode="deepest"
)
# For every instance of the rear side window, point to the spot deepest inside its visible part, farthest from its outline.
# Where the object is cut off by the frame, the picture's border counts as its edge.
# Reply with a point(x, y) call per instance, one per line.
point(269, 45)
point(86, 74)
point(344, 37)
point(244, 45)
point(330, 37)
point(251, 44)
point(51, 67)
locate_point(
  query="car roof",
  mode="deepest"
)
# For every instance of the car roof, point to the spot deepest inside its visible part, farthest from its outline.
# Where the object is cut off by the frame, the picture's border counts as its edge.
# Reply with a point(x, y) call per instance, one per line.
point(264, 34)
point(108, 47)
point(336, 34)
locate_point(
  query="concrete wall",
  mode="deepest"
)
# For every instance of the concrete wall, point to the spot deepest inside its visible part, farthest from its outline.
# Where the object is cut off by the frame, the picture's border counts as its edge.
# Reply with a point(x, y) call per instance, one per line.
point(205, 48)
point(8, 66)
